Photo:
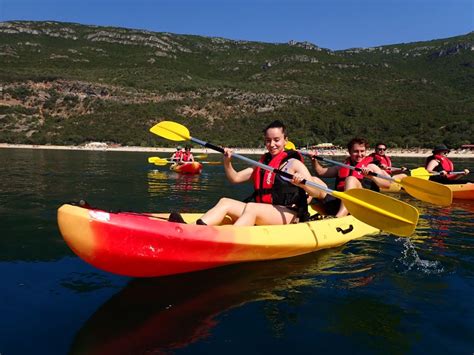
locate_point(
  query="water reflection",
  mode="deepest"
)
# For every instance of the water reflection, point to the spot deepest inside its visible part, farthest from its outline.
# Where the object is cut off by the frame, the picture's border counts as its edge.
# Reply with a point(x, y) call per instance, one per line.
point(162, 314)
point(170, 181)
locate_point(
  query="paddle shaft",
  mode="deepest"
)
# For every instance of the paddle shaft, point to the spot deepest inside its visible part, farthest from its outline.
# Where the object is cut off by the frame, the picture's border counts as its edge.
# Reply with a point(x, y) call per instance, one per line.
point(433, 173)
point(351, 167)
point(261, 165)
point(438, 173)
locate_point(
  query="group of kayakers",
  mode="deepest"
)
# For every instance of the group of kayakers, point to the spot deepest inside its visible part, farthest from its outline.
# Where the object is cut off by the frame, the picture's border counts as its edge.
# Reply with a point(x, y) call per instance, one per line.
point(278, 200)
point(182, 155)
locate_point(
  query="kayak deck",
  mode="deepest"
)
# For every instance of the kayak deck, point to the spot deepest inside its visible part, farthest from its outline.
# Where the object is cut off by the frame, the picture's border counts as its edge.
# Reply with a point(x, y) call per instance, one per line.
point(143, 245)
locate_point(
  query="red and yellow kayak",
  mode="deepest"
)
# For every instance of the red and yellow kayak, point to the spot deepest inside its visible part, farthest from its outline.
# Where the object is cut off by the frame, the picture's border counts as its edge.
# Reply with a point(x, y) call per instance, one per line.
point(187, 168)
point(147, 245)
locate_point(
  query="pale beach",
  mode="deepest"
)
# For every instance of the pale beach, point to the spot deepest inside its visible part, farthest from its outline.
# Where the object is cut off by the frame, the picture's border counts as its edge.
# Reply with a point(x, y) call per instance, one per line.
point(410, 152)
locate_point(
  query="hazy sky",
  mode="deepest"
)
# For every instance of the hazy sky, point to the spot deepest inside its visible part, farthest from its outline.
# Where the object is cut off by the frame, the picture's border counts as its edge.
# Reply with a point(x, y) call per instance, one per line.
point(334, 24)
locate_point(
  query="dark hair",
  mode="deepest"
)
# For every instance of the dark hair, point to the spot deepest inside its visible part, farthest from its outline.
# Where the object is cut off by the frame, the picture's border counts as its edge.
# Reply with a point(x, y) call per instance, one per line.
point(276, 124)
point(380, 143)
point(355, 141)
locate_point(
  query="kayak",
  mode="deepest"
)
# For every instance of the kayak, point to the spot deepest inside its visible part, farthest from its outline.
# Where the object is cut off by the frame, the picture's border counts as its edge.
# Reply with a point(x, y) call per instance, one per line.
point(462, 191)
point(187, 168)
point(147, 245)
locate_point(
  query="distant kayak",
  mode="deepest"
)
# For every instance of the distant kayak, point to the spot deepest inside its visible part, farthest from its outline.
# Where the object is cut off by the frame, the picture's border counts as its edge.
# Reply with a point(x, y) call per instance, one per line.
point(460, 191)
point(187, 168)
point(147, 245)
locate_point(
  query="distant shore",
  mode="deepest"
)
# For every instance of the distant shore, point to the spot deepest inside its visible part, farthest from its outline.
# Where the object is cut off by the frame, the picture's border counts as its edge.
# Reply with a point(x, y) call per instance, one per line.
point(413, 152)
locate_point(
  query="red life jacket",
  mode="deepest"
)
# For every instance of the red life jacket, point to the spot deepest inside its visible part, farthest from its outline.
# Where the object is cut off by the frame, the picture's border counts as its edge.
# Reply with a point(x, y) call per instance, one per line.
point(177, 155)
point(382, 160)
point(345, 172)
point(186, 156)
point(272, 188)
point(444, 164)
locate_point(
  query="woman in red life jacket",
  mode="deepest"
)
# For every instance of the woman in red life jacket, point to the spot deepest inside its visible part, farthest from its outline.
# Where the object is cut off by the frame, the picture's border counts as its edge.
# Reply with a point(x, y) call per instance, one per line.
point(177, 155)
point(277, 200)
point(350, 179)
point(187, 156)
point(382, 160)
point(438, 162)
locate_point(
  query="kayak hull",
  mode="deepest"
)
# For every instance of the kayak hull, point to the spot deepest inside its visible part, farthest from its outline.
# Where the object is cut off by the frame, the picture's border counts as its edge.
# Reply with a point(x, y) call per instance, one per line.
point(187, 168)
point(140, 245)
point(462, 191)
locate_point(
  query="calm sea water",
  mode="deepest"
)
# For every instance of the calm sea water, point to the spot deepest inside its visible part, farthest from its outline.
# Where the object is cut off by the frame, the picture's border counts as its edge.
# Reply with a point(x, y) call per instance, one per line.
point(376, 295)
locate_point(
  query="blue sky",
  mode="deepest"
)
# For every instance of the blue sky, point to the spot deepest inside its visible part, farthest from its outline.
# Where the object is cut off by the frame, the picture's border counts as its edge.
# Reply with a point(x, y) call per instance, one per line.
point(334, 24)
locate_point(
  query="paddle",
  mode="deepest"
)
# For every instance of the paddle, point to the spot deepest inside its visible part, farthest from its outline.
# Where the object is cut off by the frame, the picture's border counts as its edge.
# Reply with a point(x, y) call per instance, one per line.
point(425, 174)
point(378, 210)
point(162, 161)
point(424, 190)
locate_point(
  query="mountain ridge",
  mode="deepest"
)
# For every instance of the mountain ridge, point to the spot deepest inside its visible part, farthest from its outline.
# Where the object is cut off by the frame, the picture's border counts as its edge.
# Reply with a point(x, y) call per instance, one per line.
point(65, 83)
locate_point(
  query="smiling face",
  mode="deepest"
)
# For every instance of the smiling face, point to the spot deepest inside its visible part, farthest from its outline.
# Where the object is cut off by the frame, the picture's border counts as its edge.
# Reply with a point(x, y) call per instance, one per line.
point(275, 140)
point(357, 152)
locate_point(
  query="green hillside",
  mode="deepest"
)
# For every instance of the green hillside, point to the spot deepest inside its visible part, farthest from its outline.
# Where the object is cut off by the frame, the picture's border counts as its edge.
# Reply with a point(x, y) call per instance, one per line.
point(64, 83)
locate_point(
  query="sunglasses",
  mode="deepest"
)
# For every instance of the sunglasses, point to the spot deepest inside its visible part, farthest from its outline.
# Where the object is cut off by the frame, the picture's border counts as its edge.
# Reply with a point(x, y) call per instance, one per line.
point(381, 148)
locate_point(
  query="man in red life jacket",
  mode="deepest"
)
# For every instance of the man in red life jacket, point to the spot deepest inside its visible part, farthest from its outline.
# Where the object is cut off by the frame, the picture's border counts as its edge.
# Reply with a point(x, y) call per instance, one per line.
point(382, 160)
point(177, 155)
point(438, 162)
point(277, 200)
point(350, 179)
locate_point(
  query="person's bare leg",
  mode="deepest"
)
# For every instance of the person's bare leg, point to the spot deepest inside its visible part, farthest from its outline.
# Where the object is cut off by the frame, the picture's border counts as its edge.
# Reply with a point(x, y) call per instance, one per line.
point(265, 214)
point(225, 206)
point(351, 183)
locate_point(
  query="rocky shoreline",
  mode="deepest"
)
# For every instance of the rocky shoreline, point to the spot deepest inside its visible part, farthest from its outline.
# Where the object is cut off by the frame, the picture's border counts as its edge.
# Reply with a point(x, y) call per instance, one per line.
point(414, 152)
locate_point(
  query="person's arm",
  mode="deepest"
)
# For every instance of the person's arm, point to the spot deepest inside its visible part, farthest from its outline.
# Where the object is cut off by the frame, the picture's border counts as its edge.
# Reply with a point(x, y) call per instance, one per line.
point(384, 183)
point(235, 177)
point(459, 176)
point(191, 157)
point(300, 172)
point(320, 170)
point(432, 166)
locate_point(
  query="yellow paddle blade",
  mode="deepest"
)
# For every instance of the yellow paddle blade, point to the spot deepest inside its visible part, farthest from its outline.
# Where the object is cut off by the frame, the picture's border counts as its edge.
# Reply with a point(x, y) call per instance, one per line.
point(151, 160)
point(380, 211)
point(171, 130)
point(200, 156)
point(420, 173)
point(428, 191)
point(290, 146)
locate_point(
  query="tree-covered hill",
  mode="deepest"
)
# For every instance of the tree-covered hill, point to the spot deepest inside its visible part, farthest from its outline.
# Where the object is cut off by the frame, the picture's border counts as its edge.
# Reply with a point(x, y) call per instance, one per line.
point(64, 83)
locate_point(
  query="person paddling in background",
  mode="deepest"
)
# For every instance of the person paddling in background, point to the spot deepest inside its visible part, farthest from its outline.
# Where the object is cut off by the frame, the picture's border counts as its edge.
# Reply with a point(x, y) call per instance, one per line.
point(277, 200)
point(438, 162)
point(382, 160)
point(186, 156)
point(350, 179)
point(177, 155)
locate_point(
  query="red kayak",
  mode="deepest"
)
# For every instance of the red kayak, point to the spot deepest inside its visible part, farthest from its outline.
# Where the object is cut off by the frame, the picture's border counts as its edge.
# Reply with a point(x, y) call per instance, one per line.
point(187, 168)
